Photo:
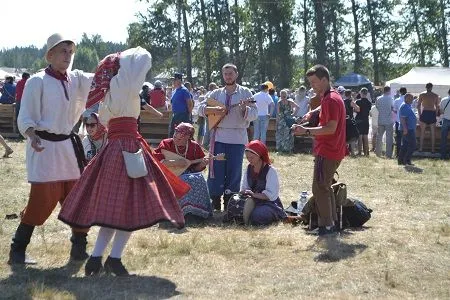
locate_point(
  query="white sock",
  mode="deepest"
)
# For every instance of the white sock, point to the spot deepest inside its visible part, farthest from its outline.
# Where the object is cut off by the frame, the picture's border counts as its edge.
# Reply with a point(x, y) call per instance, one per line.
point(103, 238)
point(119, 243)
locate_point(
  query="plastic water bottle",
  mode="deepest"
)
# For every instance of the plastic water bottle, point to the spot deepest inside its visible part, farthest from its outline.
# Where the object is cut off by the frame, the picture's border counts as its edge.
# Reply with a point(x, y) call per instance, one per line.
point(302, 201)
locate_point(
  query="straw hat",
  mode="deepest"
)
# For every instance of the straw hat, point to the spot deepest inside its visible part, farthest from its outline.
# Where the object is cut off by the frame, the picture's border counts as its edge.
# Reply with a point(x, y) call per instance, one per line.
point(54, 40)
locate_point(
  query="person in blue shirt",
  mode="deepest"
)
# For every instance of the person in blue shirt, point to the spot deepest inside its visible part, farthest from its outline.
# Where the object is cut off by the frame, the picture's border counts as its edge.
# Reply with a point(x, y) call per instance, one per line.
point(182, 104)
point(274, 96)
point(408, 124)
point(8, 91)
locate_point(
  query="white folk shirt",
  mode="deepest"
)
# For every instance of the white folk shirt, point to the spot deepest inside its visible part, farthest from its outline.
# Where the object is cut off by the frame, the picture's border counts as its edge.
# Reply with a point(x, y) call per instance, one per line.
point(45, 107)
point(263, 101)
point(272, 190)
point(122, 99)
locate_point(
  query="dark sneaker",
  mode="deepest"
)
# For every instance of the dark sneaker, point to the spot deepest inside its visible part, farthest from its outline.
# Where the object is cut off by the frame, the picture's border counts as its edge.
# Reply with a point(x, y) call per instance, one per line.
point(93, 266)
point(323, 231)
point(20, 258)
point(115, 266)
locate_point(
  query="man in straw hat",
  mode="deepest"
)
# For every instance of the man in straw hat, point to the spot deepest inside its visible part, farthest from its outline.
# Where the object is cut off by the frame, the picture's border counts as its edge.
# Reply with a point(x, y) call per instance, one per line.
point(52, 103)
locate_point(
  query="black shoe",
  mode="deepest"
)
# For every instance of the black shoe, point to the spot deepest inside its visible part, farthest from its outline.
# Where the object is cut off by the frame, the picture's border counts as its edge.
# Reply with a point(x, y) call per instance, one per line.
point(20, 258)
point(79, 242)
point(93, 266)
point(324, 232)
point(115, 266)
point(19, 245)
point(216, 203)
point(400, 163)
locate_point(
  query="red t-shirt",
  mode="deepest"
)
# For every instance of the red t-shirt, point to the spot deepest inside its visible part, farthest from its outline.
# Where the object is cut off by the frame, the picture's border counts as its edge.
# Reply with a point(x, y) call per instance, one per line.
point(157, 98)
point(19, 89)
point(331, 146)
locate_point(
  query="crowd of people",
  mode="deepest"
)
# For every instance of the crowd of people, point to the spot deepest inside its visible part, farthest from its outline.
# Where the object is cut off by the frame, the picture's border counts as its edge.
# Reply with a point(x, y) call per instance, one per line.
point(110, 177)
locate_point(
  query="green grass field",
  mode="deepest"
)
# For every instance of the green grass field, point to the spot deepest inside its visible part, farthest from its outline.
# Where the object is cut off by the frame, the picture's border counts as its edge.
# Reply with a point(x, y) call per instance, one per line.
point(403, 252)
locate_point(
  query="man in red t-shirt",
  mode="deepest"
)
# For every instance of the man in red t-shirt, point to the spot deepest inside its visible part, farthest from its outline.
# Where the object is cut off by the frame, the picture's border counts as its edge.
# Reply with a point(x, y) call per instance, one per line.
point(329, 145)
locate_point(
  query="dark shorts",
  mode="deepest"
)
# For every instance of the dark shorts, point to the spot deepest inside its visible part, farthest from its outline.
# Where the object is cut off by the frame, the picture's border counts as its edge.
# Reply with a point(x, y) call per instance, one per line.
point(428, 117)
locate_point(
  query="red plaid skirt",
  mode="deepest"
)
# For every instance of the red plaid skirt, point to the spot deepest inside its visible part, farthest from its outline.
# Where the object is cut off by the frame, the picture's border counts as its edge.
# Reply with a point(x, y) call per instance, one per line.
point(106, 196)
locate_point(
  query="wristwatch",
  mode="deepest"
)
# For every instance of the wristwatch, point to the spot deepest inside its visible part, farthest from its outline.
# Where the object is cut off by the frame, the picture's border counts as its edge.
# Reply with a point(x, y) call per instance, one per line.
point(307, 132)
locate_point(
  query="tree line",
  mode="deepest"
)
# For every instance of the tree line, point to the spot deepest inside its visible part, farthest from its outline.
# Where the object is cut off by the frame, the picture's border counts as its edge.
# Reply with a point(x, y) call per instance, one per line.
point(278, 40)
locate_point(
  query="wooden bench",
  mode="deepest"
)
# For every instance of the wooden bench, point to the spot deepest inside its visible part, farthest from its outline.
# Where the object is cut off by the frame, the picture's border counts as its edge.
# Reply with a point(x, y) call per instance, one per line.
point(8, 127)
point(154, 129)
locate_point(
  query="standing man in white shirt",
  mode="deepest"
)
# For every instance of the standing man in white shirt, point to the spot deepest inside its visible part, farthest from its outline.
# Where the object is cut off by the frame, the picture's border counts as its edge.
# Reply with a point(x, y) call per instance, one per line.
point(229, 136)
point(445, 112)
point(265, 106)
point(52, 103)
point(385, 122)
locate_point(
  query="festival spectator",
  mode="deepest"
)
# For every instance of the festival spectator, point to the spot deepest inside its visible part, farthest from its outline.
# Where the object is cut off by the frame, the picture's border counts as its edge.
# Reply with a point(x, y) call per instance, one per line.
point(445, 111)
point(350, 108)
point(19, 91)
point(195, 205)
point(264, 103)
point(362, 121)
point(385, 122)
point(329, 146)
point(302, 101)
point(396, 106)
point(181, 102)
point(157, 96)
point(8, 90)
point(283, 135)
point(144, 94)
point(274, 96)
point(201, 120)
point(261, 184)
point(427, 107)
point(96, 136)
point(374, 117)
point(408, 124)
point(230, 136)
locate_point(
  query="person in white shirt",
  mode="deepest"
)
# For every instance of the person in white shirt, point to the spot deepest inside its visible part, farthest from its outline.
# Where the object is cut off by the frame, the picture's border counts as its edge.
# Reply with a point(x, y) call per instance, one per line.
point(265, 104)
point(444, 108)
point(302, 100)
point(52, 103)
point(374, 116)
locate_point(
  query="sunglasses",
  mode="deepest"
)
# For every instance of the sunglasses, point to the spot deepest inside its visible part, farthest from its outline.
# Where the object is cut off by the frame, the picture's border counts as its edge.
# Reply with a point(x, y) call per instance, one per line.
point(90, 124)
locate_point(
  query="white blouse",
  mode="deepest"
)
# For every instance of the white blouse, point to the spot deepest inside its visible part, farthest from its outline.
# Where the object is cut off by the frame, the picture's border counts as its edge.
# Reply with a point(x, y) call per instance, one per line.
point(45, 107)
point(272, 190)
point(122, 99)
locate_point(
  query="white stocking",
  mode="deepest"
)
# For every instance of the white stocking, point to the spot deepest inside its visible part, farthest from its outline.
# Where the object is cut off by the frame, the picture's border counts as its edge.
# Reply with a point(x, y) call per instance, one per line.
point(119, 243)
point(103, 238)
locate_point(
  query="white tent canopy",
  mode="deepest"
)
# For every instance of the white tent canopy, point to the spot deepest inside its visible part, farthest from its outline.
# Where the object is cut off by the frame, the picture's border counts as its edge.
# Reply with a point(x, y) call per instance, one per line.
point(416, 79)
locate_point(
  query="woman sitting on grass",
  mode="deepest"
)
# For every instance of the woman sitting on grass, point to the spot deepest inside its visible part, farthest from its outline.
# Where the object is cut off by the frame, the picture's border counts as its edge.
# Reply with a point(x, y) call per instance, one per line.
point(260, 183)
point(195, 205)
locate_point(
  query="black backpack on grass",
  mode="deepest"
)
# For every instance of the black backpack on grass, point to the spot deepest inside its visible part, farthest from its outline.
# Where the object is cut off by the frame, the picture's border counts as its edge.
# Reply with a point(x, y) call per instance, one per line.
point(357, 214)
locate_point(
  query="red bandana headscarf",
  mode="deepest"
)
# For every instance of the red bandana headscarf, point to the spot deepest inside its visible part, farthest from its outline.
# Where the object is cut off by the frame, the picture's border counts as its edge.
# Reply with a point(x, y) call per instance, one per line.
point(185, 129)
point(101, 130)
point(107, 68)
point(259, 149)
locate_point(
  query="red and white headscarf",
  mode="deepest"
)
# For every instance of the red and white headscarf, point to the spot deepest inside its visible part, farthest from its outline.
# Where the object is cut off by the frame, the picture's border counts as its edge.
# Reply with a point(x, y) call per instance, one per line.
point(258, 148)
point(185, 129)
point(107, 68)
point(101, 130)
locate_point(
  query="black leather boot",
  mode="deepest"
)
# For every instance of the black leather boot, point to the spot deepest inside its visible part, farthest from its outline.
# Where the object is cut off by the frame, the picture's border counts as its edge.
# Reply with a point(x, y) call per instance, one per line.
point(216, 202)
point(19, 245)
point(93, 266)
point(115, 266)
point(79, 242)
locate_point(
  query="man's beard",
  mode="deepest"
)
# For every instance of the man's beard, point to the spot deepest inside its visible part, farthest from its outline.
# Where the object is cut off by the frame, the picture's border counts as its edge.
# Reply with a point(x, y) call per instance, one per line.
point(231, 83)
